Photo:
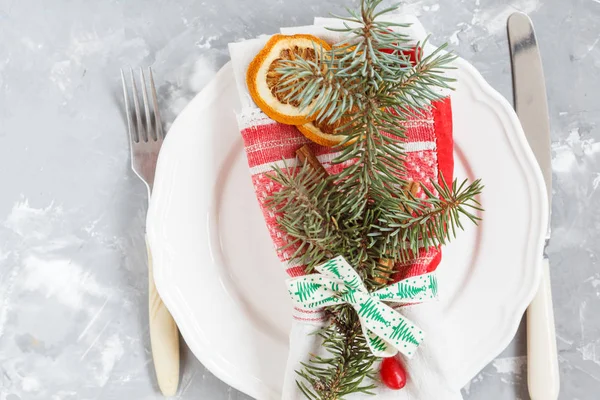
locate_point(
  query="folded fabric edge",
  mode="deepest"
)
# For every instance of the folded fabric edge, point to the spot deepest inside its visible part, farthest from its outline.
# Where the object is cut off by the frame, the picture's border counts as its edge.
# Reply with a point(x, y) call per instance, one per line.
point(415, 30)
point(322, 32)
point(242, 53)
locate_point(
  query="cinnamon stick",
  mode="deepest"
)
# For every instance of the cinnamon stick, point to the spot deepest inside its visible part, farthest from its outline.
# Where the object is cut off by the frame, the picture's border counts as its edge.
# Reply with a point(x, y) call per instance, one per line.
point(413, 188)
point(306, 156)
point(388, 268)
point(388, 264)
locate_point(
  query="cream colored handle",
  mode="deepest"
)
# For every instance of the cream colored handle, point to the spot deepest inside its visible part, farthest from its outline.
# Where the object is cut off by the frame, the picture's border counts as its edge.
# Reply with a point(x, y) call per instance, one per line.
point(164, 337)
point(542, 358)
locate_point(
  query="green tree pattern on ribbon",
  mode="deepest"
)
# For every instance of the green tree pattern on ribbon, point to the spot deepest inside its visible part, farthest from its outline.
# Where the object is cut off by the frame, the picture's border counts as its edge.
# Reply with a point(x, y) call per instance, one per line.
point(321, 302)
point(332, 267)
point(305, 289)
point(377, 343)
point(354, 283)
point(433, 285)
point(403, 333)
point(407, 291)
point(348, 296)
point(368, 309)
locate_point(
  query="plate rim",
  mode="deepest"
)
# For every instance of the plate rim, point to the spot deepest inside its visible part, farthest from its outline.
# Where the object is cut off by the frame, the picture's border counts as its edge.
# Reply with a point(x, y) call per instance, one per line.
point(167, 289)
point(255, 387)
point(538, 206)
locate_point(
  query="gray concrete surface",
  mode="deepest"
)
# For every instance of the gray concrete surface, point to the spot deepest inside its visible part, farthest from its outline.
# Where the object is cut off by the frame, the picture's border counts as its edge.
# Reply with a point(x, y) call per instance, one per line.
point(73, 319)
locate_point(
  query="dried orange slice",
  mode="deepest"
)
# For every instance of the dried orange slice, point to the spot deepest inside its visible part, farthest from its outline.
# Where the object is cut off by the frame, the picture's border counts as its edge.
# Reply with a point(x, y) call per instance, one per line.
point(322, 132)
point(262, 78)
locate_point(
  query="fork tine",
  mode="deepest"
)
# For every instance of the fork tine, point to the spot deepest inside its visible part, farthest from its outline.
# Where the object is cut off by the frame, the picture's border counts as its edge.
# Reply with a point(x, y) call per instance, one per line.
point(149, 131)
point(132, 132)
point(157, 122)
point(138, 114)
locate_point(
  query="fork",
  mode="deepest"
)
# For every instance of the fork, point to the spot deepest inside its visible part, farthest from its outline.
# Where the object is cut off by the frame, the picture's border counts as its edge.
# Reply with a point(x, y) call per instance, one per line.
point(146, 137)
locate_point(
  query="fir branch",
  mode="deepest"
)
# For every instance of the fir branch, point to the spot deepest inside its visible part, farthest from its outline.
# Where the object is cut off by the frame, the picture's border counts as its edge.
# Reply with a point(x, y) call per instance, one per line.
point(347, 367)
point(429, 223)
point(421, 85)
point(303, 203)
point(319, 84)
point(315, 224)
point(369, 87)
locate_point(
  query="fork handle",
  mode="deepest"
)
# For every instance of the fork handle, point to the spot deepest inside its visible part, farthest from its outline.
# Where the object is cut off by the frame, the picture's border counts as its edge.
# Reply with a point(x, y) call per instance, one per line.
point(542, 359)
point(164, 338)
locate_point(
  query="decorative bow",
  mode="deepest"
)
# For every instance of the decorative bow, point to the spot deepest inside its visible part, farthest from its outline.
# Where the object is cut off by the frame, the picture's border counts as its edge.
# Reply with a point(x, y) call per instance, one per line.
point(387, 331)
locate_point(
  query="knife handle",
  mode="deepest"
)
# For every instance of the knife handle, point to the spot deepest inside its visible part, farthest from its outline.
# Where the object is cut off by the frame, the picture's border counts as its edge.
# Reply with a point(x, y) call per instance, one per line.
point(164, 338)
point(542, 358)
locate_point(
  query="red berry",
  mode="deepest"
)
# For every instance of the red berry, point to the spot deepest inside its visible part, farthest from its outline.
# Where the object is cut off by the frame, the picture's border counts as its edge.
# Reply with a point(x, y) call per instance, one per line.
point(392, 373)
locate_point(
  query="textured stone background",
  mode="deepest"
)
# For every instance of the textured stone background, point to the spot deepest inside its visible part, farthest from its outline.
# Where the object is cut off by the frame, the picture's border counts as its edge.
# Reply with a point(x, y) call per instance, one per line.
point(73, 319)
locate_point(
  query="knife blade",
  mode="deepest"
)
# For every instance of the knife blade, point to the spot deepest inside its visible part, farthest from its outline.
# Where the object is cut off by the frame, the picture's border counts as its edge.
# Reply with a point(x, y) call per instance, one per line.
point(530, 95)
point(532, 109)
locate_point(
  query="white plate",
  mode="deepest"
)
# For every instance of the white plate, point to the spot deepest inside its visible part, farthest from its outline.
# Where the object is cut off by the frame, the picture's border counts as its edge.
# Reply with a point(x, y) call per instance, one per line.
point(218, 274)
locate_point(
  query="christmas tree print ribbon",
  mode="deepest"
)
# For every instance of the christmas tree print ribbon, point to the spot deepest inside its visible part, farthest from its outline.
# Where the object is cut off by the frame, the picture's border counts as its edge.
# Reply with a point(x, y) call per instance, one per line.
point(387, 331)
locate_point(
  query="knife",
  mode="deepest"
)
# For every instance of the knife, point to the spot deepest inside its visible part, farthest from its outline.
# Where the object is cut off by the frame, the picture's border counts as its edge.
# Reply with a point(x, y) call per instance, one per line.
point(532, 109)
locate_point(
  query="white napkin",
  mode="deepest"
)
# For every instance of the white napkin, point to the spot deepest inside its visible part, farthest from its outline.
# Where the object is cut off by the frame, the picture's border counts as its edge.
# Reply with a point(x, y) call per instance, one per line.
point(428, 370)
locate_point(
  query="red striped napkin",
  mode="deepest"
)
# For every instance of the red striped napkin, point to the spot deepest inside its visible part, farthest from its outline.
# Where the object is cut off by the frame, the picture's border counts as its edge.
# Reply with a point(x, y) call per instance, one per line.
point(430, 156)
point(269, 143)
